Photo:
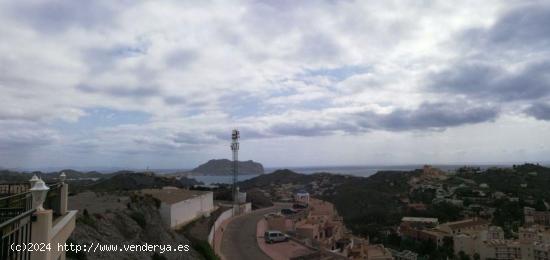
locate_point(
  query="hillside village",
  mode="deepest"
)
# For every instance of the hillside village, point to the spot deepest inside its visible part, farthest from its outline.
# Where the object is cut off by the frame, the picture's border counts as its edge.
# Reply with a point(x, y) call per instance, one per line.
point(467, 214)
point(426, 213)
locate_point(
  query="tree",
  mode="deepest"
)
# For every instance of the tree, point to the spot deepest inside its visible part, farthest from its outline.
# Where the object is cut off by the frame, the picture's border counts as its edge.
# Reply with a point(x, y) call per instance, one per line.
point(463, 256)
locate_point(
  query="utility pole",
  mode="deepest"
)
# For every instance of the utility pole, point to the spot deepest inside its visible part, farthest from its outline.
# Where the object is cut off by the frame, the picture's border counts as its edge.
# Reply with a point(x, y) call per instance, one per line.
point(235, 148)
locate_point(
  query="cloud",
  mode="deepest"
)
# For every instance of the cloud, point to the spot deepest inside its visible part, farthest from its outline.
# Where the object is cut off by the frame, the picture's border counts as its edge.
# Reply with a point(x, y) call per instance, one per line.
point(540, 111)
point(17, 135)
point(178, 76)
point(58, 16)
point(431, 116)
point(428, 116)
point(122, 91)
point(523, 28)
point(492, 81)
point(508, 61)
point(181, 59)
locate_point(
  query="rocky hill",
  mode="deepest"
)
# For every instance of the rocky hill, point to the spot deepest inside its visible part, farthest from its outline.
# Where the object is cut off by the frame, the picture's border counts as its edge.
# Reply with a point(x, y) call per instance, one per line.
point(135, 181)
point(111, 219)
point(223, 167)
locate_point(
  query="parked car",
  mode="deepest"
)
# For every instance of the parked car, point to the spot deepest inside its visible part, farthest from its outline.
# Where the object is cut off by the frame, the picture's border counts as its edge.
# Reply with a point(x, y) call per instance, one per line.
point(269, 215)
point(274, 236)
point(288, 211)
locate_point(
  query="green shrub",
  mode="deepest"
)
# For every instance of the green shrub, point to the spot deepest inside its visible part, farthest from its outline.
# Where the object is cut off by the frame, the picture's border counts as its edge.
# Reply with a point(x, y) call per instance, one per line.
point(139, 218)
point(86, 219)
point(203, 248)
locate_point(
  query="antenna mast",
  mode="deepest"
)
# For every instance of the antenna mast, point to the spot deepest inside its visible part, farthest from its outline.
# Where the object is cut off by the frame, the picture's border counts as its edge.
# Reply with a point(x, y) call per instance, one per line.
point(235, 148)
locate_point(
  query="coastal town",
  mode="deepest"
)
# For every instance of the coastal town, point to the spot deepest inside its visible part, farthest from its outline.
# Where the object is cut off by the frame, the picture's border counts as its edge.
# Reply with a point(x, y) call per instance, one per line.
point(427, 213)
point(472, 234)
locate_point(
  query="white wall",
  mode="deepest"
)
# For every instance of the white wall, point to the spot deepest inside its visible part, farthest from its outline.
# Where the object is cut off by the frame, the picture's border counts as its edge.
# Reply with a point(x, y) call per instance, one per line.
point(185, 211)
point(165, 214)
point(225, 215)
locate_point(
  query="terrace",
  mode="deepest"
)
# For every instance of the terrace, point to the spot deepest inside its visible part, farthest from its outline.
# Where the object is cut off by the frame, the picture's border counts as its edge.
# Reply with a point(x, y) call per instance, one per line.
point(34, 212)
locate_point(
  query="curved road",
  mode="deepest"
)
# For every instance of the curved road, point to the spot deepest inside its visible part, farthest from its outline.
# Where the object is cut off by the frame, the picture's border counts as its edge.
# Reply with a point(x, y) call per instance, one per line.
point(239, 238)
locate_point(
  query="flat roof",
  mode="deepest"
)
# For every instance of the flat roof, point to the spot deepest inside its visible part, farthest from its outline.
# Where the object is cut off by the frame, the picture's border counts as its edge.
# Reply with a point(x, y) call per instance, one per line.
point(172, 196)
point(415, 219)
point(466, 223)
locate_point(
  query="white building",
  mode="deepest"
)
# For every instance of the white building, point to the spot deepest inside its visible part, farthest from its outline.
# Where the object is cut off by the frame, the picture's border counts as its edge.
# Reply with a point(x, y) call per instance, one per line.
point(179, 207)
point(533, 244)
point(302, 196)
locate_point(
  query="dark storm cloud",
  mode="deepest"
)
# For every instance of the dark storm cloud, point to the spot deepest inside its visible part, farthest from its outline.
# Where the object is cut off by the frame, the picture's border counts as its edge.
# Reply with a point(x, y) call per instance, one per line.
point(312, 129)
point(524, 28)
point(57, 16)
point(428, 116)
point(540, 111)
point(487, 81)
point(433, 116)
point(499, 62)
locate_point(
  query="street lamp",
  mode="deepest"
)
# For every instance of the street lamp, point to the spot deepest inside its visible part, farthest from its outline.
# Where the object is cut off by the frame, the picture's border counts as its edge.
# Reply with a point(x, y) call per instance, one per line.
point(33, 180)
point(39, 191)
point(62, 177)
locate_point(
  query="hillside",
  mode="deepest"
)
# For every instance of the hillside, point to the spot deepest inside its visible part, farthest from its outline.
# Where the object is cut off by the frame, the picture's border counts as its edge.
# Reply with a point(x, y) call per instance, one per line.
point(122, 220)
point(223, 167)
point(276, 178)
point(135, 181)
point(15, 176)
point(366, 204)
point(509, 180)
point(95, 181)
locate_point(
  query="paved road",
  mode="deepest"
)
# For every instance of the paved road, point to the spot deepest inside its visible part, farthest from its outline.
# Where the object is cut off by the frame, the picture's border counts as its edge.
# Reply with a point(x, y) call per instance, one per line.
point(239, 238)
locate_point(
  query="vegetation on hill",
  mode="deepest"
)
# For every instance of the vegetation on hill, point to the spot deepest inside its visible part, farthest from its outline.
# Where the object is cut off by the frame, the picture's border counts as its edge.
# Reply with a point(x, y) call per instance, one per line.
point(95, 181)
point(137, 222)
point(370, 206)
point(136, 181)
point(536, 179)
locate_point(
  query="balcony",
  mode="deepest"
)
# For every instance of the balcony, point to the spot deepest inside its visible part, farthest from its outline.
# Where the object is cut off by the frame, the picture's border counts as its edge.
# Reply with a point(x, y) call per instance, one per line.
point(24, 221)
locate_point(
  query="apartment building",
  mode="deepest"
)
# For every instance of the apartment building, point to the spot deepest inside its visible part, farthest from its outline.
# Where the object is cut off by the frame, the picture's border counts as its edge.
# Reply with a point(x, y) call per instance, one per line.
point(533, 216)
point(533, 244)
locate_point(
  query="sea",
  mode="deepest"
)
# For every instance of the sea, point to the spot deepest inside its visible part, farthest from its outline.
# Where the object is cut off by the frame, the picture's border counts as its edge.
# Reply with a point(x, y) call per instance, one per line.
point(360, 171)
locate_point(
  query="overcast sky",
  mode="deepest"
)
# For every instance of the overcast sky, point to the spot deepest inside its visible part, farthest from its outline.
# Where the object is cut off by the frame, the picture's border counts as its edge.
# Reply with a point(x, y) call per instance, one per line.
point(162, 83)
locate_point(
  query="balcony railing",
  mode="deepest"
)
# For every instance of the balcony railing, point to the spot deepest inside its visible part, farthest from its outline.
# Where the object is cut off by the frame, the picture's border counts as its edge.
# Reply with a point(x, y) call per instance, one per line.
point(16, 231)
point(16, 214)
point(12, 206)
point(15, 223)
point(7, 189)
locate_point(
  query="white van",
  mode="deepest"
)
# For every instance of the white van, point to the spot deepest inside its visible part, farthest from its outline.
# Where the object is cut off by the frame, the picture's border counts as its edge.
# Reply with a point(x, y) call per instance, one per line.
point(273, 236)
